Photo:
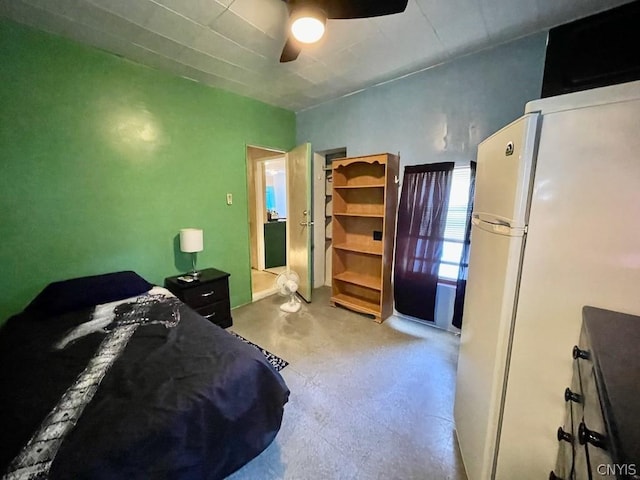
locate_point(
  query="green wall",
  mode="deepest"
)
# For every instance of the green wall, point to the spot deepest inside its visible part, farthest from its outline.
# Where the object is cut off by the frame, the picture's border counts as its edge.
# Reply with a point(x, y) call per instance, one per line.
point(103, 161)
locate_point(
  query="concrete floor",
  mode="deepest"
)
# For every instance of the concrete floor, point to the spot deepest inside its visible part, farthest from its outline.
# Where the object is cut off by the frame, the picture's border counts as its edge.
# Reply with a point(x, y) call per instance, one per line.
point(368, 401)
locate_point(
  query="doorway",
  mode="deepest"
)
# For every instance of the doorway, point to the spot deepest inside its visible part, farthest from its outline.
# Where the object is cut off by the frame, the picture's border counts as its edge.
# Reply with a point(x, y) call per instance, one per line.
point(267, 199)
point(297, 224)
point(323, 214)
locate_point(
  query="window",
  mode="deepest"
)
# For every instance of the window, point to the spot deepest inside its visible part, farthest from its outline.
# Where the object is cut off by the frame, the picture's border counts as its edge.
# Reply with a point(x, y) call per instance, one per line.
point(456, 224)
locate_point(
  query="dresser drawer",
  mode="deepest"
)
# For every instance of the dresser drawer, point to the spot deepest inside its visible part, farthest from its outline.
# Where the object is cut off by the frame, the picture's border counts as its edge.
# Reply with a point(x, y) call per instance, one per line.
point(206, 294)
point(577, 403)
point(584, 361)
point(564, 463)
point(592, 407)
point(218, 313)
point(594, 422)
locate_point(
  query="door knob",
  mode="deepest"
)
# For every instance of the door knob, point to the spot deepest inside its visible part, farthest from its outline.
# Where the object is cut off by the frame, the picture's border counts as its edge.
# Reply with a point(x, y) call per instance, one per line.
point(589, 436)
point(577, 353)
point(571, 396)
point(562, 435)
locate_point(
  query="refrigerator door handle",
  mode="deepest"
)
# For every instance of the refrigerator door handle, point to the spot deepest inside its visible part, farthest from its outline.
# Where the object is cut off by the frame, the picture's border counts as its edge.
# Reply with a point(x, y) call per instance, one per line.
point(498, 226)
point(502, 229)
point(494, 221)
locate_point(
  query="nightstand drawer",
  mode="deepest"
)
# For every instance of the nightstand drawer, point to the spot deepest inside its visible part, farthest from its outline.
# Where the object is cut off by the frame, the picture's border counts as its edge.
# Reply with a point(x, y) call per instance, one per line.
point(209, 296)
point(206, 294)
point(218, 313)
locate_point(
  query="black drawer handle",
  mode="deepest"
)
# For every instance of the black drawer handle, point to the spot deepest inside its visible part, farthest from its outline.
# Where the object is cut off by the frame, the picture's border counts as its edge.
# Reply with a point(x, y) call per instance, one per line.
point(553, 476)
point(577, 353)
point(208, 294)
point(571, 396)
point(589, 436)
point(562, 435)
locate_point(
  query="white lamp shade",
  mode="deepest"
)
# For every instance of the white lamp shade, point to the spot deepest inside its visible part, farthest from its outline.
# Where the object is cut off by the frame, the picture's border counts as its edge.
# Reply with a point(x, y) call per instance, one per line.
point(191, 240)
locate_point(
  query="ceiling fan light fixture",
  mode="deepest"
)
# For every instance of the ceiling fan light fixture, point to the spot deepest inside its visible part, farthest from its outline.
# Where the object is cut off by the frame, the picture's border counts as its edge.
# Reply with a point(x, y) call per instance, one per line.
point(307, 24)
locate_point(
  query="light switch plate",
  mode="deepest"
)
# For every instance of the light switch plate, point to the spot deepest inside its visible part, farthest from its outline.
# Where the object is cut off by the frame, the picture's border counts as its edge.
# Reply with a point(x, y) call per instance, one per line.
point(229, 199)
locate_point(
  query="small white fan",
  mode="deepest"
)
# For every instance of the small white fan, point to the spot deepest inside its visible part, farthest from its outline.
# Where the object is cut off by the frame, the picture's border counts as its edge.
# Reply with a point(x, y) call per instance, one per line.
point(287, 284)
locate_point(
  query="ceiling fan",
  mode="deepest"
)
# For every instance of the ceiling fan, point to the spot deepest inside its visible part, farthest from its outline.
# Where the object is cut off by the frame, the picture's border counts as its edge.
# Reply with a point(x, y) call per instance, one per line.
point(309, 17)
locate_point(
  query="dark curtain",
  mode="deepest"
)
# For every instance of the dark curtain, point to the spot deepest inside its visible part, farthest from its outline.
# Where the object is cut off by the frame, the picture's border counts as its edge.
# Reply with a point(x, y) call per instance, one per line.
point(461, 284)
point(422, 216)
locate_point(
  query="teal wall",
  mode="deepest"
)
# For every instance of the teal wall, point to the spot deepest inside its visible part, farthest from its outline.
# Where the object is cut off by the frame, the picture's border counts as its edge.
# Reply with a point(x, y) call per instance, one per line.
point(437, 115)
point(103, 161)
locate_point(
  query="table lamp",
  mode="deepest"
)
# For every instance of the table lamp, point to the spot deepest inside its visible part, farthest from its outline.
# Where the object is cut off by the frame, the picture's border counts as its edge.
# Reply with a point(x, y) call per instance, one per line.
point(191, 241)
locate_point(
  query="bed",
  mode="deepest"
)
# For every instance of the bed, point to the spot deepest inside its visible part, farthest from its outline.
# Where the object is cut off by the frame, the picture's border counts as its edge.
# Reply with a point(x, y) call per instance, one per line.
point(109, 377)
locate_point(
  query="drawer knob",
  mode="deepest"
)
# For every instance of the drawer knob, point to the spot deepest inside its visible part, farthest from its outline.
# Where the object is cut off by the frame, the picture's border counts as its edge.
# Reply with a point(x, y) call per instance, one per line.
point(553, 476)
point(577, 353)
point(589, 436)
point(564, 436)
point(208, 294)
point(570, 396)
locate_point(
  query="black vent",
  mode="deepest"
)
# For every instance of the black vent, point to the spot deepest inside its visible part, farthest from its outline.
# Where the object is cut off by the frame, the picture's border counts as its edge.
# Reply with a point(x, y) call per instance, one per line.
point(593, 52)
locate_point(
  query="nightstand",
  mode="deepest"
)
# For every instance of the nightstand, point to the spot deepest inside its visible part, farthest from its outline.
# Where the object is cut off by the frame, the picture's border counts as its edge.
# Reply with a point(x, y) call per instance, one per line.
point(209, 295)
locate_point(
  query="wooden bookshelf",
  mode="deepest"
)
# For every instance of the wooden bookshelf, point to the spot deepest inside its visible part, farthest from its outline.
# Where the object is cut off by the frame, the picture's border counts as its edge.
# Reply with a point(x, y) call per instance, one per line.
point(364, 197)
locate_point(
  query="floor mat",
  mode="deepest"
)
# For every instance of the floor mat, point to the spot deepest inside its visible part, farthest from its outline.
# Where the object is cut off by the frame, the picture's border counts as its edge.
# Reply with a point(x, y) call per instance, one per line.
point(277, 362)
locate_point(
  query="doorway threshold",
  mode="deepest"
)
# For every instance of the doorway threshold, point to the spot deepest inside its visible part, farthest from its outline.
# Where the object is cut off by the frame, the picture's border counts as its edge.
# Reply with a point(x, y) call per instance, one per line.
point(263, 294)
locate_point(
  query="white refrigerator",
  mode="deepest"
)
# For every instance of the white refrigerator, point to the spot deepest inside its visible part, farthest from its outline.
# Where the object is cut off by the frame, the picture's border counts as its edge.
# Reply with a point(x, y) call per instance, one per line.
point(556, 225)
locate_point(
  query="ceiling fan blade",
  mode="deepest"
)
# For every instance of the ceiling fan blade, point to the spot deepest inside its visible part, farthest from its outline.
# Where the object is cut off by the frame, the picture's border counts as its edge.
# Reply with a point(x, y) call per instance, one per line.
point(290, 51)
point(341, 9)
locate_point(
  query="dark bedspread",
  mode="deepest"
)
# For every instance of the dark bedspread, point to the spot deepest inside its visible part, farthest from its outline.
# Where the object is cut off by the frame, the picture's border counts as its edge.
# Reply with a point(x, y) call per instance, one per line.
point(182, 400)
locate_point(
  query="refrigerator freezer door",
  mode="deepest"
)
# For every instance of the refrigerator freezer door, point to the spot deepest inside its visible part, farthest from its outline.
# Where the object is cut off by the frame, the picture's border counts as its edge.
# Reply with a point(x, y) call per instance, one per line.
point(504, 171)
point(491, 289)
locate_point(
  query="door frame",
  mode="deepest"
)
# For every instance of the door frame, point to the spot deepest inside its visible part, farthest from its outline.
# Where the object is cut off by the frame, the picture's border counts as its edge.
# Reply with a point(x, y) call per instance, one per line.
point(254, 155)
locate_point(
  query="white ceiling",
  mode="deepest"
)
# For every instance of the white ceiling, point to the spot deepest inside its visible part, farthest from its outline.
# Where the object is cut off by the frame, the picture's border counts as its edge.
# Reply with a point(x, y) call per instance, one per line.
point(235, 44)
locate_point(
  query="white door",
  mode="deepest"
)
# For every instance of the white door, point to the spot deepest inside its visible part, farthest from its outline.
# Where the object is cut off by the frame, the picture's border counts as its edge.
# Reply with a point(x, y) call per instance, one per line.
point(299, 216)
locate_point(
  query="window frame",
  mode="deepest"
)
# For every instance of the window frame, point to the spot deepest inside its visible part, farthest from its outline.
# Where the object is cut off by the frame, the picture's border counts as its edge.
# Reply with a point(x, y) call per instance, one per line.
point(447, 280)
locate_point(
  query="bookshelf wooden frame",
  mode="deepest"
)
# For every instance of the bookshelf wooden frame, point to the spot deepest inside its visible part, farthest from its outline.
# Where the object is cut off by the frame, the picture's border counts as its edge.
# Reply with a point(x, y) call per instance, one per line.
point(365, 196)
